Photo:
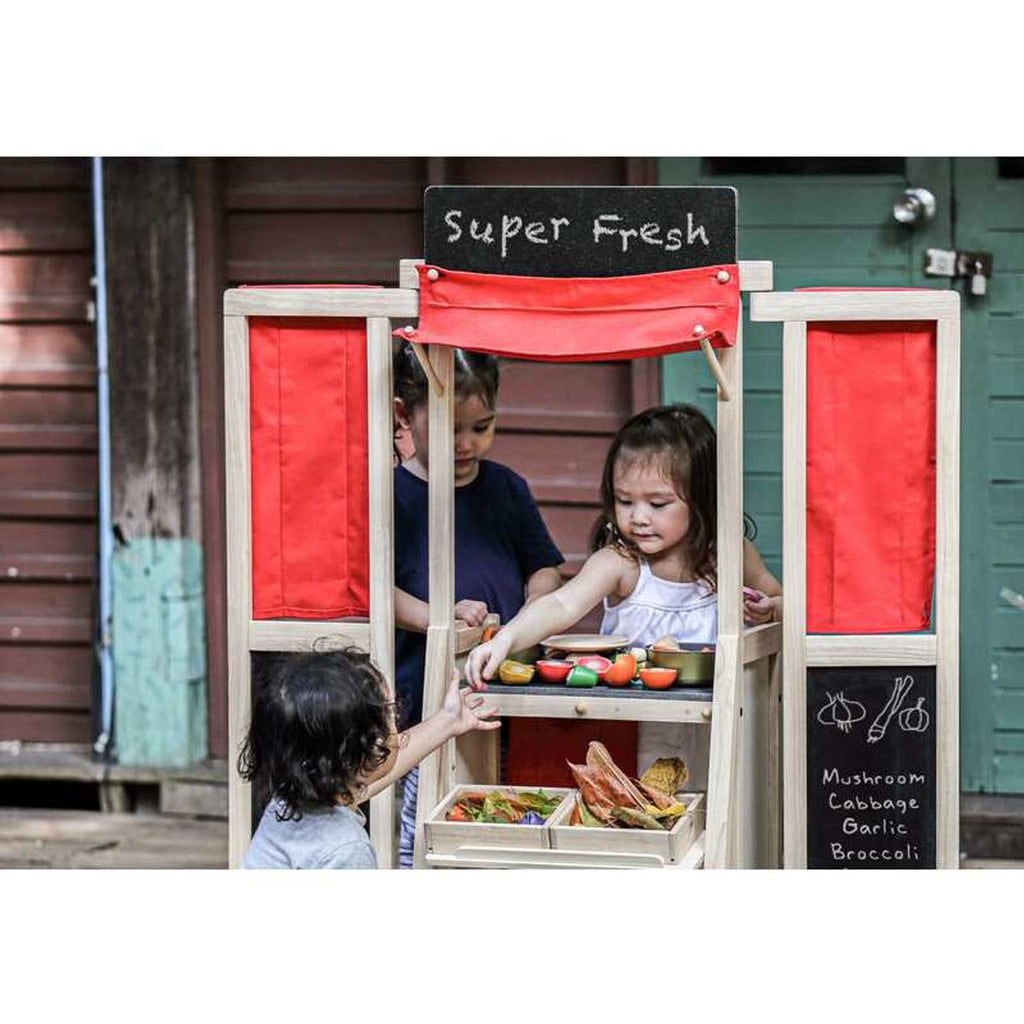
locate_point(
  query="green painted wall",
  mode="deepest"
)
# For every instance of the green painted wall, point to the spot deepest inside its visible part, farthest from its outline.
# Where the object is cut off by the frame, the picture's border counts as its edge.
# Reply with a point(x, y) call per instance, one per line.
point(824, 229)
point(159, 645)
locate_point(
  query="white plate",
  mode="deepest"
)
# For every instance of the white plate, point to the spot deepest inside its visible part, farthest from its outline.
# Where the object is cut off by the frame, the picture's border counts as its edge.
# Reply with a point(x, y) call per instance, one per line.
point(585, 643)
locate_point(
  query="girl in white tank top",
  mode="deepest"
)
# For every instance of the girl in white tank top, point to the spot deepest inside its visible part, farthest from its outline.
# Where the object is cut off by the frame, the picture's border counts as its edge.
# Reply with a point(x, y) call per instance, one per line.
point(654, 564)
point(687, 611)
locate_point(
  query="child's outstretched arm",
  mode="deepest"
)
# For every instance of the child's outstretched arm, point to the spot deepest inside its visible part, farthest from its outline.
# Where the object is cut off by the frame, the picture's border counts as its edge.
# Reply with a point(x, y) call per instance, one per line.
point(756, 575)
point(552, 613)
point(462, 711)
point(413, 614)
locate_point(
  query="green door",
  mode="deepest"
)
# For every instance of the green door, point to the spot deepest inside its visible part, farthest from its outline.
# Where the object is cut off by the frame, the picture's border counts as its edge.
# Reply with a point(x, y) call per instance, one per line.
point(829, 222)
point(989, 216)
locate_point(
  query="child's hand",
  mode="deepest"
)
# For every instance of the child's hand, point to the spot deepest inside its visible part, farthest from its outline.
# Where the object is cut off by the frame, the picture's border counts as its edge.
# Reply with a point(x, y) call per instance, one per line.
point(472, 613)
point(467, 710)
point(757, 611)
point(483, 661)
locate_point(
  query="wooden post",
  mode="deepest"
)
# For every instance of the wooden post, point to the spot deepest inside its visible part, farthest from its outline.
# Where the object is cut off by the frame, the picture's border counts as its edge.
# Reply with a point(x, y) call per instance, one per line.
point(238, 481)
point(723, 795)
point(155, 461)
point(794, 572)
point(441, 534)
point(947, 589)
point(382, 562)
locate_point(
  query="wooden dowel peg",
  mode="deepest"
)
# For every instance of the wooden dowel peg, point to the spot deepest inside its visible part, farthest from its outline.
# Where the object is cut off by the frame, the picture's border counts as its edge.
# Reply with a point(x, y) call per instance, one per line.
point(716, 369)
point(428, 369)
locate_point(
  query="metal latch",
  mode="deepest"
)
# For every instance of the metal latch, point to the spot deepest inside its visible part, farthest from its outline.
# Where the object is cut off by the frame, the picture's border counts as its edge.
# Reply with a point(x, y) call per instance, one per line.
point(949, 263)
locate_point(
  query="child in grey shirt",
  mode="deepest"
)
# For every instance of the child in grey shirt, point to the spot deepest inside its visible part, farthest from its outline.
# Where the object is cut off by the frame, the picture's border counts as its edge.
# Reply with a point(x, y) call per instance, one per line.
point(321, 741)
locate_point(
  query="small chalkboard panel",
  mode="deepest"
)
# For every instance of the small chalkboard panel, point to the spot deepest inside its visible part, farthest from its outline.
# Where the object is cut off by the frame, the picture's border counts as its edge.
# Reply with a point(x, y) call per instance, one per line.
point(578, 232)
point(871, 767)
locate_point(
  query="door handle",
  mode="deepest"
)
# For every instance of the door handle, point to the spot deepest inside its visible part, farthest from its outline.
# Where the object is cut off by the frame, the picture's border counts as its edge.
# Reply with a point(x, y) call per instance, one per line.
point(914, 207)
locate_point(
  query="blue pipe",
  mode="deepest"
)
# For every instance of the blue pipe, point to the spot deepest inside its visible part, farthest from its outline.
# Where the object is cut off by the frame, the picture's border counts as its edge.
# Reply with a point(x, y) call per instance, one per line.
point(103, 741)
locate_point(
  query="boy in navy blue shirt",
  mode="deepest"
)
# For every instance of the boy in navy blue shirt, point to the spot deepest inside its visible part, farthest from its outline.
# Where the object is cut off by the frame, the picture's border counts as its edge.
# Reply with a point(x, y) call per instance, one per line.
point(504, 555)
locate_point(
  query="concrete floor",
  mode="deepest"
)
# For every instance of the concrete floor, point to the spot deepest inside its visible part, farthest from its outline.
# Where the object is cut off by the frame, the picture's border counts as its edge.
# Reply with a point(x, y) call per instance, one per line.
point(91, 839)
point(31, 838)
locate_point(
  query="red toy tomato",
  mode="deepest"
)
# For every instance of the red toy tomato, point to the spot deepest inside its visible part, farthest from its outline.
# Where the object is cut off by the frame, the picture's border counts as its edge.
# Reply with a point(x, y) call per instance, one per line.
point(658, 678)
point(596, 664)
point(553, 671)
point(622, 671)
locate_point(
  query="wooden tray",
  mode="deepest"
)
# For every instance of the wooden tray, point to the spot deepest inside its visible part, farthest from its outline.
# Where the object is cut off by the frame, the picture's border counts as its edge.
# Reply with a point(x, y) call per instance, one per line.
point(671, 847)
point(445, 837)
point(585, 643)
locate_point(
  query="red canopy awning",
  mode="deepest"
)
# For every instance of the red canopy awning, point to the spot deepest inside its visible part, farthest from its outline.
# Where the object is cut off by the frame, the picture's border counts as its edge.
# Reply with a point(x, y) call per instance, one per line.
point(578, 319)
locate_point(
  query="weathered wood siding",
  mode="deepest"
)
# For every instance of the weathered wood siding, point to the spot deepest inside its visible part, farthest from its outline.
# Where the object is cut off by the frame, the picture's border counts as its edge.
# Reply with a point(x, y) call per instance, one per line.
point(48, 507)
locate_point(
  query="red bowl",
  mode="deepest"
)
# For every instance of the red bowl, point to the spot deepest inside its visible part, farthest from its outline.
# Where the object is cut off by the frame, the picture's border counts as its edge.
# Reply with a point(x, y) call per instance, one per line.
point(658, 678)
point(553, 671)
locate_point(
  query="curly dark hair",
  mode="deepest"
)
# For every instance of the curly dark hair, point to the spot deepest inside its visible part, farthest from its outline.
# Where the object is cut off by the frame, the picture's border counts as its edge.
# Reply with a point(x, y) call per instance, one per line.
point(319, 723)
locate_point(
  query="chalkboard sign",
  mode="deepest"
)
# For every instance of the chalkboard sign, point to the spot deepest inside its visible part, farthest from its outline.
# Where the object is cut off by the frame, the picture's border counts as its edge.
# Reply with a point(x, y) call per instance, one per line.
point(578, 232)
point(871, 767)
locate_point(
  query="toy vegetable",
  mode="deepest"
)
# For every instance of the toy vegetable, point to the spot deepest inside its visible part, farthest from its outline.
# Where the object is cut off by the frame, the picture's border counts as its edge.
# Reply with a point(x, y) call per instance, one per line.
point(621, 671)
point(581, 676)
point(522, 808)
point(514, 672)
point(596, 663)
point(607, 798)
point(658, 678)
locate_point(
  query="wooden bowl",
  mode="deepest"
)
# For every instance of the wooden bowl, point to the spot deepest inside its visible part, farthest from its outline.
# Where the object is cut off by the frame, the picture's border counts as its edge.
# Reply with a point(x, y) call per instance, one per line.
point(695, 666)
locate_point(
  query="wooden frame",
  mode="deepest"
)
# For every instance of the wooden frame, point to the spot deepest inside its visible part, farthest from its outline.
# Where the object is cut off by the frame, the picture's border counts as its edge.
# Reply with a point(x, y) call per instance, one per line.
point(801, 651)
point(246, 634)
point(741, 653)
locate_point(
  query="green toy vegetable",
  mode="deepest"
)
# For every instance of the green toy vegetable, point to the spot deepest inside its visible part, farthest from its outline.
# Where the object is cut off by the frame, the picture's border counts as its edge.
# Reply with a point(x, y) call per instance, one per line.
point(581, 676)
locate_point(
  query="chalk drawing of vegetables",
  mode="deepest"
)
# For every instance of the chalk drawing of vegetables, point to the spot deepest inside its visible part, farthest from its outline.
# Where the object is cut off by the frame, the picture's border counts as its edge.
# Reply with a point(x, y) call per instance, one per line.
point(840, 712)
point(914, 719)
point(899, 692)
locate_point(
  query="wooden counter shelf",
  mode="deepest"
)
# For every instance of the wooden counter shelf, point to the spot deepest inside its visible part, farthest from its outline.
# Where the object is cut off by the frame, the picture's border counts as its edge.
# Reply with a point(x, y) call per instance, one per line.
point(677, 704)
point(474, 757)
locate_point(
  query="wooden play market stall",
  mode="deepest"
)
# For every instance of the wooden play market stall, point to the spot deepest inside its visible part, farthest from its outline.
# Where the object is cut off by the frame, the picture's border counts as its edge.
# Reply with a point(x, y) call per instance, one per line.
point(308, 399)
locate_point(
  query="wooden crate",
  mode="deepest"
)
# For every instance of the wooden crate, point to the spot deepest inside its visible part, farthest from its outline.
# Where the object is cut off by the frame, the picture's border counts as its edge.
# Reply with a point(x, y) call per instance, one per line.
point(446, 837)
point(671, 846)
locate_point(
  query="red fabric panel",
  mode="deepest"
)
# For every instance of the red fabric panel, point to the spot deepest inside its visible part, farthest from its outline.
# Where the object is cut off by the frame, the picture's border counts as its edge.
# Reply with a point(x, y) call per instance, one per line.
point(870, 476)
point(539, 747)
point(310, 483)
point(578, 319)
